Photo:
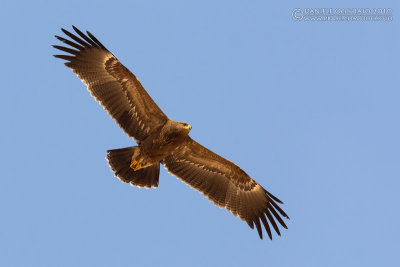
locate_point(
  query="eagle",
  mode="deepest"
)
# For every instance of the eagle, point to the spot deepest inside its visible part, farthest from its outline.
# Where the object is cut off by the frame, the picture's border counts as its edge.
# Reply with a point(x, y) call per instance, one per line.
point(161, 140)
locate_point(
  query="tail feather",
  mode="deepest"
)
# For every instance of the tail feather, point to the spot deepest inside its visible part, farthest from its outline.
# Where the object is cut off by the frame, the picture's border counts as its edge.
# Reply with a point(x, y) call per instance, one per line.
point(120, 160)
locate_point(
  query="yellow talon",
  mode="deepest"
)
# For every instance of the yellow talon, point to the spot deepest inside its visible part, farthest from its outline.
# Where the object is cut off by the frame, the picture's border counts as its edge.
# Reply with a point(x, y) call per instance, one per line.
point(133, 164)
point(138, 167)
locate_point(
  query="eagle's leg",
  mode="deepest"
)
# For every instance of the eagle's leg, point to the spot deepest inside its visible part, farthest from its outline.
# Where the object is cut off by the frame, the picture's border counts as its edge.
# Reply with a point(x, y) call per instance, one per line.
point(138, 167)
point(133, 164)
point(136, 163)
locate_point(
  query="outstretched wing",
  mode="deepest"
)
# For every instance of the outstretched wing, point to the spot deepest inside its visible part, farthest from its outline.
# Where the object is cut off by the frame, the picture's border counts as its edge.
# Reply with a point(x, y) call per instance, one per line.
point(227, 185)
point(110, 83)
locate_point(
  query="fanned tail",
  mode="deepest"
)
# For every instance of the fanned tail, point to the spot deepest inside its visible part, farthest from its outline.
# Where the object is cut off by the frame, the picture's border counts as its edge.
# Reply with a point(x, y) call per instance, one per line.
point(120, 160)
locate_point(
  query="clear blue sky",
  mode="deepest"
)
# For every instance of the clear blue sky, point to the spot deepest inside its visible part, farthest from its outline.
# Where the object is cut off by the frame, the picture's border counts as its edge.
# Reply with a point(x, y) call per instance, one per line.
point(309, 109)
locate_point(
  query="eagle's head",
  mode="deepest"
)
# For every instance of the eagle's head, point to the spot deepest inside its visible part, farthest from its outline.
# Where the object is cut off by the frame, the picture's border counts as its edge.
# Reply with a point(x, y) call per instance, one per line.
point(176, 129)
point(186, 126)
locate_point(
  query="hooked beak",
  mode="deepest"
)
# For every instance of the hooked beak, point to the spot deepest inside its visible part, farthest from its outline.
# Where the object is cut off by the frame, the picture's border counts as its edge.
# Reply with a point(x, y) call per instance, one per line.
point(188, 127)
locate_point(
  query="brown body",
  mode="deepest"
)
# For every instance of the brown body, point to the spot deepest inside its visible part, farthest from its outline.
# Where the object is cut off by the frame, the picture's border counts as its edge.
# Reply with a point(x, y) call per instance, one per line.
point(160, 144)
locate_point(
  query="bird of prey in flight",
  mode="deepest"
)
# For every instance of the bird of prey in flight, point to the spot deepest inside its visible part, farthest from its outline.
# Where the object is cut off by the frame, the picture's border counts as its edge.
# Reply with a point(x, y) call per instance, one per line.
point(161, 140)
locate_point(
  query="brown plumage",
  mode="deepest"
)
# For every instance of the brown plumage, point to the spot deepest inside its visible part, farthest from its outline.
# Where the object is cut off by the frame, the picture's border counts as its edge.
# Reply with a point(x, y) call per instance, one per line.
point(162, 140)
